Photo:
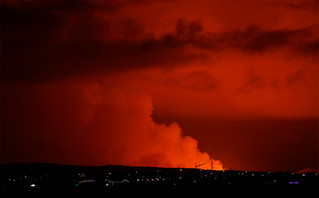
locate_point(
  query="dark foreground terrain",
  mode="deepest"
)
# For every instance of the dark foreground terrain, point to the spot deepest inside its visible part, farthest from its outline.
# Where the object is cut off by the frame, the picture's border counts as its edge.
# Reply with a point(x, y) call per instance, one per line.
point(65, 179)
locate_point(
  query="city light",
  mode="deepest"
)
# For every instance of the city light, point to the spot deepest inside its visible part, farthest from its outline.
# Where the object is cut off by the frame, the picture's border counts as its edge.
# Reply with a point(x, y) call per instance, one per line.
point(142, 178)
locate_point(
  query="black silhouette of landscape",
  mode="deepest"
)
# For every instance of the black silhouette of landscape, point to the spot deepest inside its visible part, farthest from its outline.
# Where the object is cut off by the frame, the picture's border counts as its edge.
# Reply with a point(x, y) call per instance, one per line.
point(44, 179)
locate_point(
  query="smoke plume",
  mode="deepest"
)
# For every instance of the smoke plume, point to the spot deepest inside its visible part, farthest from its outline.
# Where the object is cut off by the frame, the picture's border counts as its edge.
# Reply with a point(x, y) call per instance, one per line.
point(89, 124)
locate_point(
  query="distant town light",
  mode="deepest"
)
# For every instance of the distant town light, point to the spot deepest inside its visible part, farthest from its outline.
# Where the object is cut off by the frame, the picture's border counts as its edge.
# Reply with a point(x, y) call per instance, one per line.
point(87, 181)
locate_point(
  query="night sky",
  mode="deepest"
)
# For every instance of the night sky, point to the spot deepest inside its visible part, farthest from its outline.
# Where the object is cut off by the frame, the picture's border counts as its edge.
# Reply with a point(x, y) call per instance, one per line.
point(166, 83)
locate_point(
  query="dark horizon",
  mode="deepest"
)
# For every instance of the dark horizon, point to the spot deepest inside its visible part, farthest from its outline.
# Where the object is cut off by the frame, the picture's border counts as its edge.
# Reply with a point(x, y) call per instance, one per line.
point(305, 170)
point(53, 178)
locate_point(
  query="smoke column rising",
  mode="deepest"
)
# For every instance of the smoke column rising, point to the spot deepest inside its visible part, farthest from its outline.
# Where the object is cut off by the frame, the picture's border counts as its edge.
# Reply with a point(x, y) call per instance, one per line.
point(89, 124)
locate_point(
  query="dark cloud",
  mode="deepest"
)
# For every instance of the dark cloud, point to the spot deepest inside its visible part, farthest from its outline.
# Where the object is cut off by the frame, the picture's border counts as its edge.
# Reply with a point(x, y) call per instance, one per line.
point(195, 80)
point(255, 40)
point(296, 4)
point(57, 39)
point(295, 77)
point(255, 80)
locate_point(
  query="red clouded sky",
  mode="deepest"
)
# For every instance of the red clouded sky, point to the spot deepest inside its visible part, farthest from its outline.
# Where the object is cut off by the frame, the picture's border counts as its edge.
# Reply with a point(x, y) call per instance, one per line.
point(161, 83)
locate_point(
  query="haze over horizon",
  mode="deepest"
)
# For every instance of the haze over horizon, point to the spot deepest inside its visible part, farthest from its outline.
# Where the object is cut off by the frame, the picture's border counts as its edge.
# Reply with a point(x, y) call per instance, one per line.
point(166, 83)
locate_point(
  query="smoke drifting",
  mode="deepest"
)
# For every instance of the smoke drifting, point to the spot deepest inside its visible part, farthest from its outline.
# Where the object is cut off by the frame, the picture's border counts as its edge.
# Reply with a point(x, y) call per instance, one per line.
point(89, 124)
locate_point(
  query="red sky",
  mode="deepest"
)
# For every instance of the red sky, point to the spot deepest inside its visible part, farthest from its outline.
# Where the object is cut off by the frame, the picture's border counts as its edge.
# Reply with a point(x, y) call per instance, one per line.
point(161, 83)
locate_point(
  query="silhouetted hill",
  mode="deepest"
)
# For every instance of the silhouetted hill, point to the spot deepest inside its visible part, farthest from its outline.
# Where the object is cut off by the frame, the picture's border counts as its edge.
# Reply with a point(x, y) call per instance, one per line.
point(109, 179)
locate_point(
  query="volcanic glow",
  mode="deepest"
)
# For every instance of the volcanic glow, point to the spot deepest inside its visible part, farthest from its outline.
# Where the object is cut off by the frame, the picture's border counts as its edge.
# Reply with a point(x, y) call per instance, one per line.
point(171, 83)
point(90, 124)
